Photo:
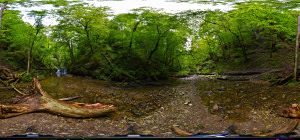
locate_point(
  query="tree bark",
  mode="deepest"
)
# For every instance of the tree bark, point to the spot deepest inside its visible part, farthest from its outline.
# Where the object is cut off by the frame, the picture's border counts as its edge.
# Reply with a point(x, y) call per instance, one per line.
point(1, 12)
point(160, 35)
point(71, 52)
point(40, 101)
point(88, 38)
point(29, 53)
point(296, 50)
point(134, 29)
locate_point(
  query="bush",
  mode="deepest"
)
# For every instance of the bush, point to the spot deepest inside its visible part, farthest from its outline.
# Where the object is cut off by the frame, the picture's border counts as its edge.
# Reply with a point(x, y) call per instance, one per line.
point(293, 83)
point(28, 76)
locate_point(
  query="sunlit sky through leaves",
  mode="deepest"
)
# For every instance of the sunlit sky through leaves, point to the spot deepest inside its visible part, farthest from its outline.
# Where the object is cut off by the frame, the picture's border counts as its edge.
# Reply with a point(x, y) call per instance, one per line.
point(125, 6)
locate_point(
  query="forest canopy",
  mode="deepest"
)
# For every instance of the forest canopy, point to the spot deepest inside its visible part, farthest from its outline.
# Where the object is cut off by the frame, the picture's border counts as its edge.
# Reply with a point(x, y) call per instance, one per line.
point(147, 43)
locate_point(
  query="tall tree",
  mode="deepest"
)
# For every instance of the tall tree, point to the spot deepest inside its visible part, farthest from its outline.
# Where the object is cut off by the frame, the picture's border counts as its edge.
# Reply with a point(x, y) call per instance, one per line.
point(56, 3)
point(38, 16)
point(89, 21)
point(296, 50)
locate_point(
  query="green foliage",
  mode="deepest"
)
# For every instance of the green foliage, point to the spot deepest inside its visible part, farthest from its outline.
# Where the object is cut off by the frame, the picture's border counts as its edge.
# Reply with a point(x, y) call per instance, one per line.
point(182, 73)
point(266, 77)
point(148, 44)
point(28, 76)
point(293, 83)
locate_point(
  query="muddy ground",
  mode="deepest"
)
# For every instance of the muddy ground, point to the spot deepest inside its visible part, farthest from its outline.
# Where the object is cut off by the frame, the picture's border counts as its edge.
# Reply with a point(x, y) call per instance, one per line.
point(195, 104)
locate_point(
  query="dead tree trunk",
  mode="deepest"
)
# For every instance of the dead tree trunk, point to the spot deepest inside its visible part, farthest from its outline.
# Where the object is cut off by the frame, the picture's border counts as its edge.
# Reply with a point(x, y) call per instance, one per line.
point(293, 112)
point(289, 128)
point(39, 101)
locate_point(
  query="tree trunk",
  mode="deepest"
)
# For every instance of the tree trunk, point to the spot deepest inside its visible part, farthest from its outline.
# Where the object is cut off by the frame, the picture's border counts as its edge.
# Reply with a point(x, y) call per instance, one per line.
point(40, 101)
point(134, 29)
point(28, 51)
point(89, 41)
point(243, 45)
point(71, 53)
point(296, 50)
point(152, 52)
point(1, 12)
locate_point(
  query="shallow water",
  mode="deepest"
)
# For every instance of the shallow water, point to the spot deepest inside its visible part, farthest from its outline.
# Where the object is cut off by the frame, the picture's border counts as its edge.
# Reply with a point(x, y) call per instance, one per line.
point(234, 101)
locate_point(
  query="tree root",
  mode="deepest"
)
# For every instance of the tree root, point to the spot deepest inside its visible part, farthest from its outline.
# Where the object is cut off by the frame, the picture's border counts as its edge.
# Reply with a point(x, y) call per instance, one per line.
point(7, 77)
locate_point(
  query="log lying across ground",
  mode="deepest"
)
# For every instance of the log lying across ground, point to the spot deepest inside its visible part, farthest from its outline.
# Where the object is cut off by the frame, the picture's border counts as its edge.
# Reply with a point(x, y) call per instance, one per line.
point(289, 128)
point(293, 112)
point(39, 101)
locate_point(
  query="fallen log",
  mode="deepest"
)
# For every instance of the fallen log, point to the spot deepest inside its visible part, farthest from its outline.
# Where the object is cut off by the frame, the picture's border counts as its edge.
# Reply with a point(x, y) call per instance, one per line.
point(289, 128)
point(39, 101)
point(293, 112)
point(181, 132)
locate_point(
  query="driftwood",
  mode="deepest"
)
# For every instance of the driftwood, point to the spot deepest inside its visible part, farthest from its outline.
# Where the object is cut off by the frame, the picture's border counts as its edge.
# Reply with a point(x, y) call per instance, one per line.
point(181, 132)
point(289, 128)
point(7, 77)
point(39, 101)
point(293, 112)
point(70, 98)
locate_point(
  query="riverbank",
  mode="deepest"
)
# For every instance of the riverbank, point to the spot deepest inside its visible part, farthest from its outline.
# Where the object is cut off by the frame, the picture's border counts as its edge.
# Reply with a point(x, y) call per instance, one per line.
point(195, 104)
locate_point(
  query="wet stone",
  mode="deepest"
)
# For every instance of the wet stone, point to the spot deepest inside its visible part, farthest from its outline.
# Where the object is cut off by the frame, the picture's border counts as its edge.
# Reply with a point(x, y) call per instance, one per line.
point(187, 101)
point(215, 107)
point(137, 112)
point(221, 89)
point(228, 100)
point(143, 104)
point(199, 126)
point(207, 92)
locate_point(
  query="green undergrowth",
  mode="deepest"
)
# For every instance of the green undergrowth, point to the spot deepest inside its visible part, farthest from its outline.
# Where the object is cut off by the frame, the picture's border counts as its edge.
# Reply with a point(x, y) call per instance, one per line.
point(293, 83)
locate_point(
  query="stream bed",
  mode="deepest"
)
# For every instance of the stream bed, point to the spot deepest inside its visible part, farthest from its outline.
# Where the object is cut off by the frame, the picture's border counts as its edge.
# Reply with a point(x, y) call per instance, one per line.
point(194, 104)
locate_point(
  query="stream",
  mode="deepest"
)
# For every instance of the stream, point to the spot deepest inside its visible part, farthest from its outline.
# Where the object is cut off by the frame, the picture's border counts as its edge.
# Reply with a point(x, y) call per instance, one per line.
point(195, 104)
